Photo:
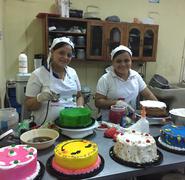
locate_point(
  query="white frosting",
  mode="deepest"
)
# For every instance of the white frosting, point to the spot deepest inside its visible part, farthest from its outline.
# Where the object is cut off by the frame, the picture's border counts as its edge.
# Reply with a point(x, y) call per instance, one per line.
point(178, 112)
point(13, 165)
point(170, 147)
point(2, 163)
point(136, 147)
point(153, 104)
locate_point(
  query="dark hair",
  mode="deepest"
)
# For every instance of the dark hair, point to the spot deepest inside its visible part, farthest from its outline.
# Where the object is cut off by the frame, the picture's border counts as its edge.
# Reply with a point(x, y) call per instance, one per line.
point(120, 52)
point(61, 44)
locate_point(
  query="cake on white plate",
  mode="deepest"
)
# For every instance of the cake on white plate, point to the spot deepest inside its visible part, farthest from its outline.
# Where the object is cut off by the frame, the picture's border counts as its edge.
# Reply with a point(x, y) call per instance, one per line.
point(18, 162)
point(136, 147)
point(154, 108)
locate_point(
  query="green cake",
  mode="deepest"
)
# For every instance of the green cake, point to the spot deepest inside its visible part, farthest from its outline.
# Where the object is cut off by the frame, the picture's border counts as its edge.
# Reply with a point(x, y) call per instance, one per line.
point(75, 118)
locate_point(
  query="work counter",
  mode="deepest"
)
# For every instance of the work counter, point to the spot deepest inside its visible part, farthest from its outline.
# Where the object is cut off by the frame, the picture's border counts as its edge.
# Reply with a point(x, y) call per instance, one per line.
point(113, 170)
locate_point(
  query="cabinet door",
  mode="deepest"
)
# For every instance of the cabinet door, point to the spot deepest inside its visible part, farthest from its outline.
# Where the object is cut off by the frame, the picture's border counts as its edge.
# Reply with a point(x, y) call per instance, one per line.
point(95, 39)
point(115, 36)
point(142, 40)
point(135, 40)
point(150, 36)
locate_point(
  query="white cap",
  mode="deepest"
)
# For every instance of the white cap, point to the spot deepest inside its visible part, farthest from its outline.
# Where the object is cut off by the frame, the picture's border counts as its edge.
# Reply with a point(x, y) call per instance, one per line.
point(62, 39)
point(55, 42)
point(120, 48)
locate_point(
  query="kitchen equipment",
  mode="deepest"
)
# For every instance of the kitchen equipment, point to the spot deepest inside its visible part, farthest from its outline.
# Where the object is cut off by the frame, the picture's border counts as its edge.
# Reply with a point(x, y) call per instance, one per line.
point(117, 113)
point(40, 138)
point(8, 118)
point(75, 13)
point(92, 12)
point(112, 18)
point(159, 81)
point(80, 54)
point(80, 41)
point(38, 58)
point(178, 116)
point(6, 134)
point(86, 91)
point(63, 6)
point(23, 63)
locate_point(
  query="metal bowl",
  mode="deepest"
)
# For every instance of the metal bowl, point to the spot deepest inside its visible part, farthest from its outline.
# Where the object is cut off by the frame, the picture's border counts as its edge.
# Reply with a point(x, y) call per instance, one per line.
point(178, 116)
point(40, 138)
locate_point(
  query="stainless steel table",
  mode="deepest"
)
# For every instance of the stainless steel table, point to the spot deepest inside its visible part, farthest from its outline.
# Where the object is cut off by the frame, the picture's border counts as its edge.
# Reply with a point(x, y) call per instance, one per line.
point(113, 170)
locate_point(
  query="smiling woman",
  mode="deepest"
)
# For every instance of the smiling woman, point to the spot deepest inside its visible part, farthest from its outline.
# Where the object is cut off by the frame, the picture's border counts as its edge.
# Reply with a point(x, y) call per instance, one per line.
point(120, 82)
point(55, 86)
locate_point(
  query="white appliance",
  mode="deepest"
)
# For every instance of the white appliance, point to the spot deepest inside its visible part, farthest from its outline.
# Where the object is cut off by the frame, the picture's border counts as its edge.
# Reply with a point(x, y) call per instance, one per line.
point(21, 81)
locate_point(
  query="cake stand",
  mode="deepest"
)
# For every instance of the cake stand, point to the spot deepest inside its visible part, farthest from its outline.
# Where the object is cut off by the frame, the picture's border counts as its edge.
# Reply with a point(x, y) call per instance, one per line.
point(78, 133)
point(154, 120)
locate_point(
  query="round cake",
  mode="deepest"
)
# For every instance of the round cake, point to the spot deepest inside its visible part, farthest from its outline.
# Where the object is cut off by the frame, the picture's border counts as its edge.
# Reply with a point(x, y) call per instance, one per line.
point(75, 117)
point(173, 137)
point(18, 162)
point(154, 108)
point(74, 157)
point(136, 147)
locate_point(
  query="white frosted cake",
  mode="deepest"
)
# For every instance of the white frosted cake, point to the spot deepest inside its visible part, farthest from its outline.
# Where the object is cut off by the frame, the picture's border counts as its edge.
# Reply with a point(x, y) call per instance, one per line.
point(136, 147)
point(154, 108)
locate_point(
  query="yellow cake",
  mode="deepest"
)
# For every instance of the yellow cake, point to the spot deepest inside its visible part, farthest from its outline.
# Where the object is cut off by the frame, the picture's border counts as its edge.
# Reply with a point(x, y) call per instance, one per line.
point(76, 154)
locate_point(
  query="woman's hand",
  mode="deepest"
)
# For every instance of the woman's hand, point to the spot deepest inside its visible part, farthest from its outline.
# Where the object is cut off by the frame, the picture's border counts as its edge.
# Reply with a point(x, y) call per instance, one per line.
point(45, 95)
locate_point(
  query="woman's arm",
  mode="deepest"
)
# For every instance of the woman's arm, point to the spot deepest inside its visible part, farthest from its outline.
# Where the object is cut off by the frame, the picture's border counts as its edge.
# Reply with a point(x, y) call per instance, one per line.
point(148, 95)
point(32, 104)
point(79, 99)
point(102, 102)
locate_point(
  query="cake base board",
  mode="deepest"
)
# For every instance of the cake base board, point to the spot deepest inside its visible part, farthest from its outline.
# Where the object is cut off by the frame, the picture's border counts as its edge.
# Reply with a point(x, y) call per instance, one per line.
point(167, 148)
point(60, 175)
point(41, 172)
point(78, 133)
point(154, 120)
point(136, 165)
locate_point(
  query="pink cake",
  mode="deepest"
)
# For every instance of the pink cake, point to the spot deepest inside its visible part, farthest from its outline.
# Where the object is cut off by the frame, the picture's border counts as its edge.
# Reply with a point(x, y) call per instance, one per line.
point(18, 162)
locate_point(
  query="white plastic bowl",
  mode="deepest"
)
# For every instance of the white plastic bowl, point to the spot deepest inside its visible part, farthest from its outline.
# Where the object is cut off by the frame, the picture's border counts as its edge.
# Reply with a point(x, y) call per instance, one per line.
point(36, 133)
point(178, 116)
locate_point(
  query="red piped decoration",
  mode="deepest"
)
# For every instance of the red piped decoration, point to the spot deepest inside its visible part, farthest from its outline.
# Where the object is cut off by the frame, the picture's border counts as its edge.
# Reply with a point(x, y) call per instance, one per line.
point(148, 141)
point(103, 126)
point(146, 134)
point(115, 136)
point(127, 140)
point(133, 131)
point(110, 132)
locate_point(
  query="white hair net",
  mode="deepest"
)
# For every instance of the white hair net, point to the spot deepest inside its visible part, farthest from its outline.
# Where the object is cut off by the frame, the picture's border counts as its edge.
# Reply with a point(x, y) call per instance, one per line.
point(120, 48)
point(55, 42)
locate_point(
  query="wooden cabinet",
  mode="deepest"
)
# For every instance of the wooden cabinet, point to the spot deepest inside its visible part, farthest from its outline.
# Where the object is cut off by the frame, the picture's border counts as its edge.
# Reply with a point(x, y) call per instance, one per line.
point(96, 39)
point(73, 28)
point(142, 40)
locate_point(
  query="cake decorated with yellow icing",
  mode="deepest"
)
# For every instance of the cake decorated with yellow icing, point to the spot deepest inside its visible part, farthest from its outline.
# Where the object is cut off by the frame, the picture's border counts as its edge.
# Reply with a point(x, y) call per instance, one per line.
point(74, 157)
point(75, 117)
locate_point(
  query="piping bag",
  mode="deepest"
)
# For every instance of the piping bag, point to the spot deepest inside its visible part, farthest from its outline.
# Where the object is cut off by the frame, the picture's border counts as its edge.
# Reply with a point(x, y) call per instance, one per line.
point(142, 125)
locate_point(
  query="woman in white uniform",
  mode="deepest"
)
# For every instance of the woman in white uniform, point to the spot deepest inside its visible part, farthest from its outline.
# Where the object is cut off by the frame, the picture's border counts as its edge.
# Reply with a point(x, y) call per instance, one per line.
point(120, 82)
point(54, 87)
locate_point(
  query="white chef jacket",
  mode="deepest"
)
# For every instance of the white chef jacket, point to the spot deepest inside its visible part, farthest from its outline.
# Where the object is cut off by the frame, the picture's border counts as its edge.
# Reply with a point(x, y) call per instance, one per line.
point(67, 89)
point(114, 87)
